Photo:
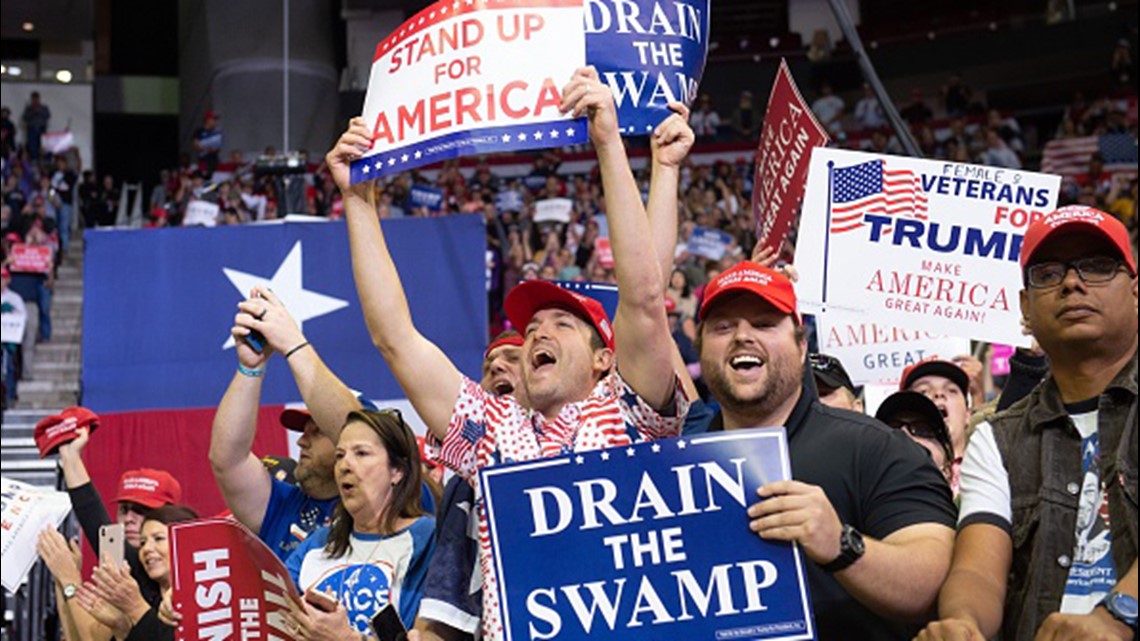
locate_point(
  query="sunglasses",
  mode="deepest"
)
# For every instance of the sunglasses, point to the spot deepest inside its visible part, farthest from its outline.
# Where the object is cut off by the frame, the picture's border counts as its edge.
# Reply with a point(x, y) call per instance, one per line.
point(822, 362)
point(917, 429)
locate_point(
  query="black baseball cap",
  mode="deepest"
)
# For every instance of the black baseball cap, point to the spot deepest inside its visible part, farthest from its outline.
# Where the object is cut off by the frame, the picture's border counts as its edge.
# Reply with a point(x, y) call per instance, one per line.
point(925, 408)
point(829, 373)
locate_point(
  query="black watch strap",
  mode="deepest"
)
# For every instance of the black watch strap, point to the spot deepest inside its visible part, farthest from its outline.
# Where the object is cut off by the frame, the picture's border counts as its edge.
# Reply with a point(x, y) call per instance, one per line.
point(851, 549)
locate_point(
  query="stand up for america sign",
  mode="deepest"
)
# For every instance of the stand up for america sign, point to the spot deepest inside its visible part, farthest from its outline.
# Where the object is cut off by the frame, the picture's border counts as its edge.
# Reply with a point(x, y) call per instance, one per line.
point(648, 541)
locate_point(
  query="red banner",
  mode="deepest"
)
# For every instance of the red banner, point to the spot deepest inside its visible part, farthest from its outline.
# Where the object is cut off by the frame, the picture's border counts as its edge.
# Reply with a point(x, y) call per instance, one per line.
point(790, 133)
point(36, 259)
point(226, 583)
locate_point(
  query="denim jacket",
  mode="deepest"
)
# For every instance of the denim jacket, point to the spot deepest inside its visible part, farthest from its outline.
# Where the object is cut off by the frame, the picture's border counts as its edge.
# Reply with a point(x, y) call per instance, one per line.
point(1041, 449)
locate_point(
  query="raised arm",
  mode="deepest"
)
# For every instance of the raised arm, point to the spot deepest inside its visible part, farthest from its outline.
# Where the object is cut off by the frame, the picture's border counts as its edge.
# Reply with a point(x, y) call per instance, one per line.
point(670, 144)
point(641, 330)
point(244, 481)
point(328, 399)
point(425, 373)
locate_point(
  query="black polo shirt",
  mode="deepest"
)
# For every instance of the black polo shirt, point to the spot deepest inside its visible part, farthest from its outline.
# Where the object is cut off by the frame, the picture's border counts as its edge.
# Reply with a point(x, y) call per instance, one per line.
point(879, 481)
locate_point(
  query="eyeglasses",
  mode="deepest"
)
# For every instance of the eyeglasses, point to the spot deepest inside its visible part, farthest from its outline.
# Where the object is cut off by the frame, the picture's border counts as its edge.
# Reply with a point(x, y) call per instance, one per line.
point(1093, 270)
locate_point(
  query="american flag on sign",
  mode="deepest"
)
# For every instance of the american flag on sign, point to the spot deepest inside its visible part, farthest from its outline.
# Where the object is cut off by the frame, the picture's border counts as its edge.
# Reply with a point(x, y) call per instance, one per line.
point(1069, 157)
point(871, 188)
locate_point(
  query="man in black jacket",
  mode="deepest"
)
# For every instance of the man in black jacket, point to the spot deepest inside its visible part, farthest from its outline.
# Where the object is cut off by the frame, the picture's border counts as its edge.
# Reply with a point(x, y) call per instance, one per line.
point(866, 505)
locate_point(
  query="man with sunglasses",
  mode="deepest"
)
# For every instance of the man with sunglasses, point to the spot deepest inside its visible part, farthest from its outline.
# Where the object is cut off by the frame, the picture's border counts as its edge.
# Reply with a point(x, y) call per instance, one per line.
point(922, 421)
point(1048, 481)
point(834, 383)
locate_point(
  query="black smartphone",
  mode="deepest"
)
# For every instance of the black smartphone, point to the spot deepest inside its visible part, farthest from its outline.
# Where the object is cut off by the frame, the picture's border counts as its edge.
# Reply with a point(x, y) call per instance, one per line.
point(256, 339)
point(387, 625)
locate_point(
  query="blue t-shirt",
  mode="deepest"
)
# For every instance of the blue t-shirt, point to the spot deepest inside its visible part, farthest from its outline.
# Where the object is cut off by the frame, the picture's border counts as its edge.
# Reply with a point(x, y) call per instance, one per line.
point(377, 569)
point(290, 516)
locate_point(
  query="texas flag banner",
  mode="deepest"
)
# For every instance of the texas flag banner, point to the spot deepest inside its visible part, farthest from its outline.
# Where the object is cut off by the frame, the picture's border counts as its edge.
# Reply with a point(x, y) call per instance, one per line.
point(158, 355)
point(472, 77)
point(227, 584)
point(790, 133)
point(919, 244)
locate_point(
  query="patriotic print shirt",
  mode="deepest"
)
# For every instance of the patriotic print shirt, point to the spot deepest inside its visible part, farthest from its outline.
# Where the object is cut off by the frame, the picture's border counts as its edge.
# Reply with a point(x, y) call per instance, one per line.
point(487, 430)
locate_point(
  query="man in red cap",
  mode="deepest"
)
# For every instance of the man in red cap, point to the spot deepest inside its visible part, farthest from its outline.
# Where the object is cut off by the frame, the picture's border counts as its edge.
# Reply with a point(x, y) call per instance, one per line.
point(281, 513)
point(1047, 541)
point(139, 492)
point(866, 505)
point(578, 399)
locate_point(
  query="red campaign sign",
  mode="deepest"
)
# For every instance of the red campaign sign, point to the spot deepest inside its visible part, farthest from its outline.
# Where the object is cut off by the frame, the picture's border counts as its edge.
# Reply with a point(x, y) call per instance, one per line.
point(36, 259)
point(790, 133)
point(605, 252)
point(227, 584)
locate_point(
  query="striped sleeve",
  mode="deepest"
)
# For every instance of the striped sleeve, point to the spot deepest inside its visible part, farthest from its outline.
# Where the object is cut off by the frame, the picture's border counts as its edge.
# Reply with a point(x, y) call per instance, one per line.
point(652, 424)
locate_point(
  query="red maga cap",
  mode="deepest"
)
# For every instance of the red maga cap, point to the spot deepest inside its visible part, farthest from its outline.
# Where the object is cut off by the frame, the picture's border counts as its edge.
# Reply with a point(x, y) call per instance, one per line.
point(534, 295)
point(750, 277)
point(148, 487)
point(510, 339)
point(294, 420)
point(1072, 219)
point(54, 431)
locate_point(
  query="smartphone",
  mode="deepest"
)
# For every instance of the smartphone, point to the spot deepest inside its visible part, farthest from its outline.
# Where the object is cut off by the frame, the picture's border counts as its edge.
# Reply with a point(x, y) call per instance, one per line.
point(387, 625)
point(322, 601)
point(112, 542)
point(256, 339)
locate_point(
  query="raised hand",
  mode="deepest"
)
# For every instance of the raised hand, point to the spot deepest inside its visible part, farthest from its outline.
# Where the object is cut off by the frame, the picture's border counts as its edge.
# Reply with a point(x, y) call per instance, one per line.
point(353, 144)
point(587, 95)
point(673, 138)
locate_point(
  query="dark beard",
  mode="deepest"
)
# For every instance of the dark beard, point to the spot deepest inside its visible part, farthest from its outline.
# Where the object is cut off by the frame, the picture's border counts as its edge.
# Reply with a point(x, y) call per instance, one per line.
point(783, 381)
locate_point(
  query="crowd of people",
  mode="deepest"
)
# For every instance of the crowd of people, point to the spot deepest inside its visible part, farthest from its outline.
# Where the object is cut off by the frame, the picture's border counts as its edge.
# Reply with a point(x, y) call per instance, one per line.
point(957, 512)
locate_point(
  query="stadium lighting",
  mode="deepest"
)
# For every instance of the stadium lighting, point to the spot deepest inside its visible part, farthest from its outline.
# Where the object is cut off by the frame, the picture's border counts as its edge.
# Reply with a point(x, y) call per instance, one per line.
point(63, 75)
point(28, 26)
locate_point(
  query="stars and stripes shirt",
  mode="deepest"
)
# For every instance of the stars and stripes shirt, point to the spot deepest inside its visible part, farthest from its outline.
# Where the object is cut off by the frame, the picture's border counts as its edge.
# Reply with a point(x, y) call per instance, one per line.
point(487, 430)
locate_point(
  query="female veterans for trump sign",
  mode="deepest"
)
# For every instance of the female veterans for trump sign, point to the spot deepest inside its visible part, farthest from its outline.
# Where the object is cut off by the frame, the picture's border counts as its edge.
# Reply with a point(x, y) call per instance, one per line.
point(919, 244)
point(646, 542)
point(472, 76)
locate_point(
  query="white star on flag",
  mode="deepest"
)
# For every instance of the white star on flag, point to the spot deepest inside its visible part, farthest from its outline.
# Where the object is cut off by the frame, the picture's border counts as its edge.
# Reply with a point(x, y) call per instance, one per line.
point(379, 165)
point(553, 133)
point(605, 455)
point(506, 137)
point(302, 304)
point(404, 158)
point(630, 452)
point(522, 136)
point(569, 132)
point(391, 161)
point(656, 448)
point(681, 444)
point(366, 169)
point(538, 135)
point(419, 154)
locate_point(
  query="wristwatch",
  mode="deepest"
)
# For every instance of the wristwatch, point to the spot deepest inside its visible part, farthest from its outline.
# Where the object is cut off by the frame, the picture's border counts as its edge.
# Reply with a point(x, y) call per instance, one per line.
point(851, 549)
point(69, 591)
point(1122, 607)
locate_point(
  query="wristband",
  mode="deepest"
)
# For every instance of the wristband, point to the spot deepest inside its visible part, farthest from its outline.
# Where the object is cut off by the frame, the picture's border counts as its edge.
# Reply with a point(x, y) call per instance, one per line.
point(252, 373)
point(295, 349)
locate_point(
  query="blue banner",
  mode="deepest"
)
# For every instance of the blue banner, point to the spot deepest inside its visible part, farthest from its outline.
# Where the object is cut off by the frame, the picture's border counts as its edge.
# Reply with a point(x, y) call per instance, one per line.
point(649, 541)
point(650, 53)
point(164, 340)
point(604, 293)
point(709, 243)
point(424, 196)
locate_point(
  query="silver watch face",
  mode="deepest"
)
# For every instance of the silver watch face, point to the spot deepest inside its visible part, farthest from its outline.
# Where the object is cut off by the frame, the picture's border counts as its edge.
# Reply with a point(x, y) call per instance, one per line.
point(69, 590)
point(1124, 604)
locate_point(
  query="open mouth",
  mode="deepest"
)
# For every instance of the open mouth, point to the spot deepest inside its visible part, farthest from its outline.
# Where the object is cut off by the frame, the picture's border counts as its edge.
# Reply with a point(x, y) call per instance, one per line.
point(502, 388)
point(346, 487)
point(745, 362)
point(542, 358)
